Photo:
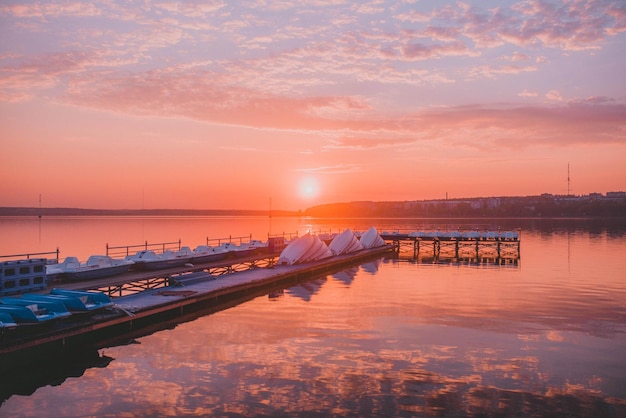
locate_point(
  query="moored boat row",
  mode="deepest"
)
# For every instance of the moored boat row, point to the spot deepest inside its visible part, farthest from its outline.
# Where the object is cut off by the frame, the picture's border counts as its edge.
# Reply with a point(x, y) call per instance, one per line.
point(35, 308)
point(99, 266)
point(311, 248)
point(297, 250)
point(95, 267)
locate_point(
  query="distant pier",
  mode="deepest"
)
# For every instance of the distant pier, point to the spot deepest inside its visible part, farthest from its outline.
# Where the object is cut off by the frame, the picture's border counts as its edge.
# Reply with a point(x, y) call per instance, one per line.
point(494, 247)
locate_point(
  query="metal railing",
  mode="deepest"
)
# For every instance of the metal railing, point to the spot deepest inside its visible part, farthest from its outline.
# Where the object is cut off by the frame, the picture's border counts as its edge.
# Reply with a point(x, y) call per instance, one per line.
point(29, 255)
point(125, 250)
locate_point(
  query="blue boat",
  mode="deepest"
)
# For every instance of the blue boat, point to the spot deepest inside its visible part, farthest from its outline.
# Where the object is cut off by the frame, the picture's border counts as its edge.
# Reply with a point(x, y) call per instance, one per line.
point(41, 311)
point(7, 320)
point(26, 315)
point(91, 300)
point(72, 303)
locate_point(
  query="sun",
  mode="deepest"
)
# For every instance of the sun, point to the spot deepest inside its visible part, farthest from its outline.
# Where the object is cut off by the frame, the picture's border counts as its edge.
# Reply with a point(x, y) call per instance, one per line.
point(308, 188)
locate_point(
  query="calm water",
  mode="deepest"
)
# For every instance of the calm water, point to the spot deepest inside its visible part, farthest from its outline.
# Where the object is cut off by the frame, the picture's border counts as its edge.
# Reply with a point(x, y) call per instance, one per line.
point(542, 337)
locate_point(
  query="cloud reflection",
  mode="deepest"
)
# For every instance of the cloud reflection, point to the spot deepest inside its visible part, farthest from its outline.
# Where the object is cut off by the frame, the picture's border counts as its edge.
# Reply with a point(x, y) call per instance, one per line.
point(407, 340)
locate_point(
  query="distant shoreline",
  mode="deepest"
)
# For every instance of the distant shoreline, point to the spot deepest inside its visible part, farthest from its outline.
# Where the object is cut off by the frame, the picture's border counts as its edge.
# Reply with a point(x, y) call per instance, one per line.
point(593, 206)
point(29, 211)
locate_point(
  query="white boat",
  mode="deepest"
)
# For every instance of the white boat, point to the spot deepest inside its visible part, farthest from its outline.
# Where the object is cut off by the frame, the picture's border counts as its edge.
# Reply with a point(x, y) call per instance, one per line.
point(371, 239)
point(96, 266)
point(317, 251)
point(295, 249)
point(248, 248)
point(258, 245)
point(303, 249)
point(206, 254)
point(149, 260)
point(345, 243)
point(236, 250)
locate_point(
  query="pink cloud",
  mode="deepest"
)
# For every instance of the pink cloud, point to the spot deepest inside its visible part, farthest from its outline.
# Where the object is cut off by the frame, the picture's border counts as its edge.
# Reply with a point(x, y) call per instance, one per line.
point(527, 93)
point(376, 142)
point(519, 57)
point(531, 126)
point(43, 11)
point(491, 71)
point(206, 96)
point(554, 95)
point(413, 16)
point(423, 51)
point(333, 169)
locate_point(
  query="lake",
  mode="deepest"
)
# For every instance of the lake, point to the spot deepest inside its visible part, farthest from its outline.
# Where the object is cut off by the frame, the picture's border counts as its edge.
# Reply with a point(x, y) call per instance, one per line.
point(544, 335)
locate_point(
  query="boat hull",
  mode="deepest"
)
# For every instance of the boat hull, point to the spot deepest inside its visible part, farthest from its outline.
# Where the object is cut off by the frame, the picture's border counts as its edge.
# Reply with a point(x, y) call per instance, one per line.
point(160, 264)
point(208, 258)
point(95, 273)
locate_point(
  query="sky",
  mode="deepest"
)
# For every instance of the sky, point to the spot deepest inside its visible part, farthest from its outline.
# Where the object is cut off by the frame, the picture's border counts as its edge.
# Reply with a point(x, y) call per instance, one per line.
point(287, 104)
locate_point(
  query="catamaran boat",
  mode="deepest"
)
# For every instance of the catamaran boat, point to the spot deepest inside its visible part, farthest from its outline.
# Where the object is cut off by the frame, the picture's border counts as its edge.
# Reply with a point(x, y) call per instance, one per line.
point(96, 266)
point(149, 260)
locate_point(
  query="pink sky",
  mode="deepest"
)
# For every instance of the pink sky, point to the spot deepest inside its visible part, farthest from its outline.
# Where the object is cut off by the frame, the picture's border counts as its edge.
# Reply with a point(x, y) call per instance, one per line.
point(228, 104)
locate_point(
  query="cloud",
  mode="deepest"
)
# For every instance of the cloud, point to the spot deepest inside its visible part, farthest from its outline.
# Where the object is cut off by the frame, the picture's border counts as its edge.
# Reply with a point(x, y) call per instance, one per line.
point(554, 95)
point(595, 120)
point(43, 11)
point(521, 127)
point(239, 149)
point(493, 71)
point(527, 93)
point(422, 51)
point(193, 8)
point(378, 141)
point(332, 169)
point(202, 61)
point(519, 57)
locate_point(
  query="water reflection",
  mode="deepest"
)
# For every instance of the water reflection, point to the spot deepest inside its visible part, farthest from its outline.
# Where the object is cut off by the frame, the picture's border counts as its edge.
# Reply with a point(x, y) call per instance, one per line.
point(346, 276)
point(305, 291)
point(372, 266)
point(31, 378)
point(389, 338)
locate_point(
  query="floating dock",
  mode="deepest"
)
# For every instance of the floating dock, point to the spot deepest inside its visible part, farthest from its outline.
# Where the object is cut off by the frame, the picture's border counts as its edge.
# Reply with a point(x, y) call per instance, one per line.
point(179, 293)
point(145, 301)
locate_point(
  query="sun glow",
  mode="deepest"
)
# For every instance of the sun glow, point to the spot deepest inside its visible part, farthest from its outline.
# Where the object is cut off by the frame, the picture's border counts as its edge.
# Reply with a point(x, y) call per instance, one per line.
point(308, 188)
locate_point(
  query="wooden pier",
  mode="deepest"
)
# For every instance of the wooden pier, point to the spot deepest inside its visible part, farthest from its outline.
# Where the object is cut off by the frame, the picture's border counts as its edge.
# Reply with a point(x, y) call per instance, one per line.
point(497, 247)
point(155, 304)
